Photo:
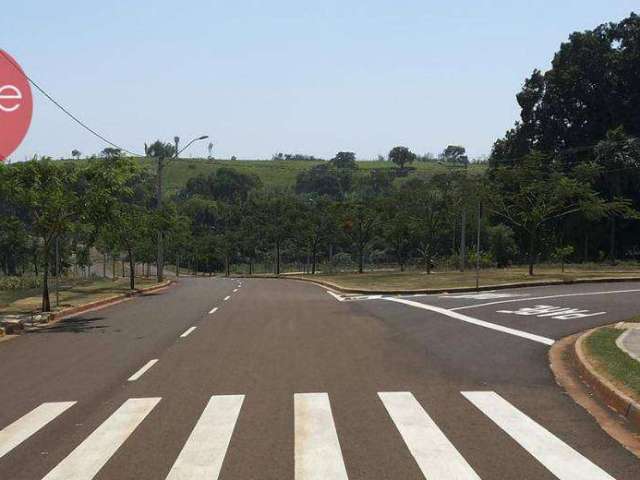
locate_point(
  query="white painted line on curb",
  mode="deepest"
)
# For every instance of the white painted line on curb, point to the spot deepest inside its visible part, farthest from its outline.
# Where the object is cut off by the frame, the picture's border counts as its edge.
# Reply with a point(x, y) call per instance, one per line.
point(558, 457)
point(94, 452)
point(188, 332)
point(474, 321)
point(434, 453)
point(317, 449)
point(583, 294)
point(13, 435)
point(205, 449)
point(235, 290)
point(143, 370)
point(213, 310)
point(226, 298)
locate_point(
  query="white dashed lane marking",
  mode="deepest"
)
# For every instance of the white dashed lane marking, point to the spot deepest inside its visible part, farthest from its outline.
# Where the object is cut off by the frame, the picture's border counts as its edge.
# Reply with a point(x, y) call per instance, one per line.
point(188, 332)
point(143, 370)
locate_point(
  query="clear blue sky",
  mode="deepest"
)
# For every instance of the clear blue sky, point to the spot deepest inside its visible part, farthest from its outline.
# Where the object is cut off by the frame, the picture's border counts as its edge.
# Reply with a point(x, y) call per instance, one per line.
point(282, 75)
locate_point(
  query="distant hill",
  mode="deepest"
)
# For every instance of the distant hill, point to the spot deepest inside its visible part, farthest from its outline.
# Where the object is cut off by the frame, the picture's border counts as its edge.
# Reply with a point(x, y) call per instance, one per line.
point(272, 173)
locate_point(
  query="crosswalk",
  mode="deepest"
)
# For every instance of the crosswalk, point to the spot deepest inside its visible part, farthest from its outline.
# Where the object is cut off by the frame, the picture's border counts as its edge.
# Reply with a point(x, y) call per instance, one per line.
point(317, 449)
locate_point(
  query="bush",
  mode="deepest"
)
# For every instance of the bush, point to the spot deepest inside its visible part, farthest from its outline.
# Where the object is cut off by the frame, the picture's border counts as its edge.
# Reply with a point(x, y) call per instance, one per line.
point(19, 283)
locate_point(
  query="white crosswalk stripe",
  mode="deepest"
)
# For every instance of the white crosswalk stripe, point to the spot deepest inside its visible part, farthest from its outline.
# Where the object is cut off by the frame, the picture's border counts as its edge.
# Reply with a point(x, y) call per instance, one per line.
point(317, 449)
point(558, 457)
point(16, 433)
point(203, 453)
point(434, 454)
point(92, 454)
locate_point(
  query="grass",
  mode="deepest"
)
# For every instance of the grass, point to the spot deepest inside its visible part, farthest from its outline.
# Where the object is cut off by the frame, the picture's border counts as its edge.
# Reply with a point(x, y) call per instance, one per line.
point(73, 293)
point(441, 280)
point(612, 362)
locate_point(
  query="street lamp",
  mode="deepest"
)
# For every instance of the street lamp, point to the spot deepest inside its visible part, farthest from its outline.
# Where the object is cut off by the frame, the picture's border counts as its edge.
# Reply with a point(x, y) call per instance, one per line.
point(203, 137)
point(161, 165)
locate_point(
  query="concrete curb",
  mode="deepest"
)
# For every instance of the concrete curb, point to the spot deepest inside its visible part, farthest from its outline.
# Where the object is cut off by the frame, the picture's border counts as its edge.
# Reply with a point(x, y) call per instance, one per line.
point(67, 312)
point(606, 390)
point(430, 291)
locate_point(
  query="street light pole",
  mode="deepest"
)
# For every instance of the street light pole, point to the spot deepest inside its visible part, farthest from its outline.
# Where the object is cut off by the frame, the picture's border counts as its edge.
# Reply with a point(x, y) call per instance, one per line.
point(161, 164)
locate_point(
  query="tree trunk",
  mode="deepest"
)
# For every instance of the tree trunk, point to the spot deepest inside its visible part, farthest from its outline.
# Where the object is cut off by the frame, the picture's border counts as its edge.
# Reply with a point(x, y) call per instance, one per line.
point(132, 270)
point(612, 240)
point(228, 261)
point(314, 259)
point(361, 259)
point(46, 303)
point(104, 265)
point(586, 247)
point(532, 247)
point(277, 258)
point(463, 240)
point(178, 266)
point(114, 275)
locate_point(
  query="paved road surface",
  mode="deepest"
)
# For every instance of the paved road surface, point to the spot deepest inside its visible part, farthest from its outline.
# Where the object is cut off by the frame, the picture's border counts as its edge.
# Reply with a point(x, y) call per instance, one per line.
point(266, 379)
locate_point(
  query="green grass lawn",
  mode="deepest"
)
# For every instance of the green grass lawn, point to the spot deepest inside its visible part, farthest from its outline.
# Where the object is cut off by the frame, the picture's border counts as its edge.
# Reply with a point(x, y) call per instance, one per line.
point(415, 280)
point(73, 293)
point(612, 362)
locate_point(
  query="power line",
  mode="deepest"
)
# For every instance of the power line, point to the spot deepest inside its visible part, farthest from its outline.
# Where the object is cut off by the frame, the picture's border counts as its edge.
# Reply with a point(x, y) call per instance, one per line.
point(65, 110)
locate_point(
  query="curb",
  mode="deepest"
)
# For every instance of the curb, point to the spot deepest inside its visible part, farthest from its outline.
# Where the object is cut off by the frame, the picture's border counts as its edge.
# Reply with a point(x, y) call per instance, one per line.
point(430, 291)
point(57, 316)
point(606, 390)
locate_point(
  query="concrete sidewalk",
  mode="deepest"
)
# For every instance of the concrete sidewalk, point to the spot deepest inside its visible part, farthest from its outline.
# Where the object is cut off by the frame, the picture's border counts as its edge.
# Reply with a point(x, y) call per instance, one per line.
point(629, 342)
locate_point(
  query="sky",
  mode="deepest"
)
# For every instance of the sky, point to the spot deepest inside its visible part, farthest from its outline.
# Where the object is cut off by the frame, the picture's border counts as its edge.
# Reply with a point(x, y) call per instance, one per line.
point(292, 76)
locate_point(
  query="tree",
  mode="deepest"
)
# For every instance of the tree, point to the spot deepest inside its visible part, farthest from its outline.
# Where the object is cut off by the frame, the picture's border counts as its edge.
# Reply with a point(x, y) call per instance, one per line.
point(590, 89)
point(617, 156)
point(210, 149)
point(401, 156)
point(533, 193)
point(111, 152)
point(162, 152)
point(502, 245)
point(318, 225)
point(426, 203)
point(360, 223)
point(454, 154)
point(320, 180)
point(76, 154)
point(344, 161)
point(45, 191)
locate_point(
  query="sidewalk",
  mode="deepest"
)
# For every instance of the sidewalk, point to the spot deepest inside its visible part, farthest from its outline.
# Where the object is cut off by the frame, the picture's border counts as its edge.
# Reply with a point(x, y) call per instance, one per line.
point(629, 342)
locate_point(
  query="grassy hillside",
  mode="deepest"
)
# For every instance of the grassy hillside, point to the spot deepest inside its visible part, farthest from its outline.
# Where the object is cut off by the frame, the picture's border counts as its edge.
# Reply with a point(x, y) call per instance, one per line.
point(272, 173)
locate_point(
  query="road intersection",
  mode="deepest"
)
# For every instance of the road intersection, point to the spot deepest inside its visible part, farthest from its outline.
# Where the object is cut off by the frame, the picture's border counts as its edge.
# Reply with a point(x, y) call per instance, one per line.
point(273, 379)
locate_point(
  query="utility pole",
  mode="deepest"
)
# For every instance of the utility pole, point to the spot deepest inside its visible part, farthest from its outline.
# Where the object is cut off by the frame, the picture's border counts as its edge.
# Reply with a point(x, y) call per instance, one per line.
point(478, 246)
point(161, 152)
point(160, 257)
point(57, 273)
point(463, 232)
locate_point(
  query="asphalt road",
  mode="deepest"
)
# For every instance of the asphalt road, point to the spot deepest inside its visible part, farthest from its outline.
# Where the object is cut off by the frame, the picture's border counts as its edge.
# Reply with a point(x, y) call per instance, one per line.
point(286, 381)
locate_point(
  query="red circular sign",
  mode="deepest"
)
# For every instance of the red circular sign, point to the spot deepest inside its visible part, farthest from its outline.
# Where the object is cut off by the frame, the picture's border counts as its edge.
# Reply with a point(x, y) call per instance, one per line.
point(16, 105)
